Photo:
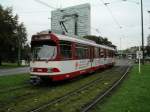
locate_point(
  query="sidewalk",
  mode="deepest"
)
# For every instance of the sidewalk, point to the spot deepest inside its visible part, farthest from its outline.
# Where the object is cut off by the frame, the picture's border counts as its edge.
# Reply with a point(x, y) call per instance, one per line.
point(14, 71)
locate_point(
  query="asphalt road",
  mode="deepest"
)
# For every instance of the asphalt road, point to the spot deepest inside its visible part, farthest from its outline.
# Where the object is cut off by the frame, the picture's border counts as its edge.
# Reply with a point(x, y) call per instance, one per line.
point(122, 62)
point(14, 71)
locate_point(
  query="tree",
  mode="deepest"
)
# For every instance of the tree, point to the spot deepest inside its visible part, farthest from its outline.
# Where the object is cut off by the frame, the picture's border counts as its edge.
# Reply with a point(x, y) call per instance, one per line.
point(21, 39)
point(147, 50)
point(100, 40)
point(26, 52)
point(12, 35)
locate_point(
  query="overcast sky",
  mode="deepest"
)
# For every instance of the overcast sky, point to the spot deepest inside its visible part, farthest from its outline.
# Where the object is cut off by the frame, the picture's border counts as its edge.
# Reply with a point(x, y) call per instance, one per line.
point(124, 14)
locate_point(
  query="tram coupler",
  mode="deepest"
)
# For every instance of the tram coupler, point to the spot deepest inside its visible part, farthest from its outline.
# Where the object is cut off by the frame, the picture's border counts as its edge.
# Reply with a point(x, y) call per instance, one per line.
point(35, 80)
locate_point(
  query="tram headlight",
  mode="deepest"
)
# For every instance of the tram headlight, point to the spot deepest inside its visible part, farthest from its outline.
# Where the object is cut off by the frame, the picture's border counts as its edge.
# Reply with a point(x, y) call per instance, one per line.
point(53, 70)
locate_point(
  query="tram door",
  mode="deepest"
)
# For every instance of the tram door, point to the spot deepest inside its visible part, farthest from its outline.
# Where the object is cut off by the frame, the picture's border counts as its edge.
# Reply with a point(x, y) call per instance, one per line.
point(91, 55)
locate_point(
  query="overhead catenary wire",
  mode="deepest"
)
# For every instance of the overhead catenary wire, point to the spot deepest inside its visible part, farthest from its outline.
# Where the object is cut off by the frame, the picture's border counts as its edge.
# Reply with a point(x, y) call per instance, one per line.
point(49, 6)
point(45, 4)
point(131, 1)
point(113, 17)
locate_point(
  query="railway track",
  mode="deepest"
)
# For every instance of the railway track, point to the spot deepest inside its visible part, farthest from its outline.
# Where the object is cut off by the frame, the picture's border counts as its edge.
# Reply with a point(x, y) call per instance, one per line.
point(79, 90)
point(100, 97)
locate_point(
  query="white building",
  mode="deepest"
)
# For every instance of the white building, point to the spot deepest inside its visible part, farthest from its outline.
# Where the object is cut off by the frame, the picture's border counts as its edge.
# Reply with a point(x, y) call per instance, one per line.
point(76, 19)
point(148, 40)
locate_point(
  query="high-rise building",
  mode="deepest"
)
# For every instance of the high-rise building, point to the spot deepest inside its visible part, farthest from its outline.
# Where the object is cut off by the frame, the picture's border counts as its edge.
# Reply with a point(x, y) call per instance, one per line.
point(148, 40)
point(75, 20)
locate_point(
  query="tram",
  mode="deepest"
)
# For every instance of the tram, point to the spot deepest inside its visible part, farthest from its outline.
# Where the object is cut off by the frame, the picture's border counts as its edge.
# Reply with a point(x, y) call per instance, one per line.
point(59, 57)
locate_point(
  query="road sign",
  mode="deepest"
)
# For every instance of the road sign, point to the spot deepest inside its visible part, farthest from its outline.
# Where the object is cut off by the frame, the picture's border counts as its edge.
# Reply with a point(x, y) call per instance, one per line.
point(139, 54)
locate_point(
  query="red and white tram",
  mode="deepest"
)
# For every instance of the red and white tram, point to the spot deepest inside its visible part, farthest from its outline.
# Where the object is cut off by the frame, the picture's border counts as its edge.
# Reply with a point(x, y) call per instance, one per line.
point(60, 57)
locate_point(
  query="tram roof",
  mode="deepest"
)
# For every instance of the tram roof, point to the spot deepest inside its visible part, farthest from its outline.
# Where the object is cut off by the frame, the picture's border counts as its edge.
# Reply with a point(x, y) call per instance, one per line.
point(82, 41)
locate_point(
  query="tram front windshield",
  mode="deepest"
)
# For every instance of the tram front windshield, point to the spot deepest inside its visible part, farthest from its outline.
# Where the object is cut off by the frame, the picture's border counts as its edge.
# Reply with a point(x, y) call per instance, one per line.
point(43, 50)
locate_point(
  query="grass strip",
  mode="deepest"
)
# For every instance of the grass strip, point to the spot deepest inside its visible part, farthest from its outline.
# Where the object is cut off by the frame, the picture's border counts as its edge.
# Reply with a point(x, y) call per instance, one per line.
point(132, 96)
point(7, 82)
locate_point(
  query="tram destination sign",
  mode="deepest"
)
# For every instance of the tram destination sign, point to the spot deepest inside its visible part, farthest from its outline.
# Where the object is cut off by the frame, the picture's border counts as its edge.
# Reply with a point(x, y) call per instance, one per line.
point(41, 37)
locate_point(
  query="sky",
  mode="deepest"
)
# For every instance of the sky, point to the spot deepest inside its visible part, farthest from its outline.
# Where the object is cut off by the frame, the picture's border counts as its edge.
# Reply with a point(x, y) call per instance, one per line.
point(120, 21)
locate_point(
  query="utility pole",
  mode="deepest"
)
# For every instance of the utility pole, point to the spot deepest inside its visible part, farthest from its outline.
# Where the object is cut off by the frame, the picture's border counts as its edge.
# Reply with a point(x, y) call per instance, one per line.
point(120, 47)
point(149, 19)
point(142, 30)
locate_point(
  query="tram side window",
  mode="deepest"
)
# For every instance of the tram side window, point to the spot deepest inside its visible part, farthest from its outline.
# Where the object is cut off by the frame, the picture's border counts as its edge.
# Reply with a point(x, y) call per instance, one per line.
point(110, 54)
point(105, 53)
point(102, 55)
point(99, 52)
point(81, 52)
point(96, 53)
point(65, 50)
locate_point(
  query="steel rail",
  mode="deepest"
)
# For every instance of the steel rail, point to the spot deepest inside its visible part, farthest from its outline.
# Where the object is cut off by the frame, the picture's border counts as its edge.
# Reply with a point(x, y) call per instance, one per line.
point(98, 99)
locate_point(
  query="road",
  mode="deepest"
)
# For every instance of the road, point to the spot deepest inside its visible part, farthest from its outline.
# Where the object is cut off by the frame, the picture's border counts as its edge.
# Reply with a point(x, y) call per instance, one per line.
point(14, 71)
point(122, 62)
